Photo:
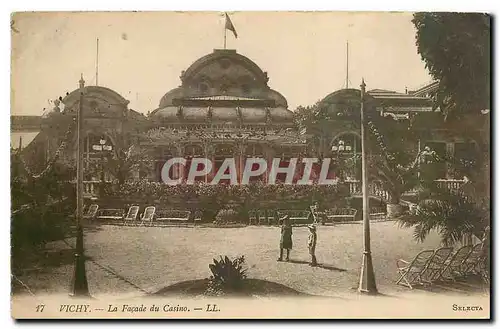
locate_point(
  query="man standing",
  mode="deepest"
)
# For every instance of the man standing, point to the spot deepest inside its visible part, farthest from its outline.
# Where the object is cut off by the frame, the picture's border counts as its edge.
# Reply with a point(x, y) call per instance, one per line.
point(311, 244)
point(286, 238)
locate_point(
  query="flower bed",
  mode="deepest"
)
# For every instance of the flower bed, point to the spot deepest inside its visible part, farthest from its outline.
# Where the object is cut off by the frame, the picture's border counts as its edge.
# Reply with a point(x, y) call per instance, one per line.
point(210, 199)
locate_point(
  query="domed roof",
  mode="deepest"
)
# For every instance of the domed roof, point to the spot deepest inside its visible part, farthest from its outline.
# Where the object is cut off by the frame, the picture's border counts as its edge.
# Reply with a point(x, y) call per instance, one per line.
point(345, 102)
point(168, 113)
point(253, 114)
point(94, 91)
point(194, 113)
point(279, 98)
point(281, 114)
point(246, 115)
point(231, 85)
point(168, 98)
point(225, 59)
point(98, 101)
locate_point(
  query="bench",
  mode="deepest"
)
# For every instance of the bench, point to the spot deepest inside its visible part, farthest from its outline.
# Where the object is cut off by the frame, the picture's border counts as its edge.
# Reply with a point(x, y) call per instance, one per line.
point(297, 217)
point(339, 215)
point(257, 217)
point(378, 213)
point(173, 215)
point(113, 214)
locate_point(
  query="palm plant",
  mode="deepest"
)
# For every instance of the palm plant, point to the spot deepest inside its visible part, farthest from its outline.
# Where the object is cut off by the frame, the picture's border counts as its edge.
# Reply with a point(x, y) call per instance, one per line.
point(453, 215)
point(126, 160)
point(228, 276)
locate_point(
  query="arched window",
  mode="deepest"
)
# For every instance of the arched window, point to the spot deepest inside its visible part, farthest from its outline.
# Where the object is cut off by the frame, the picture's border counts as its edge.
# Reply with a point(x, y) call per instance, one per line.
point(254, 151)
point(97, 147)
point(193, 151)
point(345, 150)
point(221, 153)
point(161, 155)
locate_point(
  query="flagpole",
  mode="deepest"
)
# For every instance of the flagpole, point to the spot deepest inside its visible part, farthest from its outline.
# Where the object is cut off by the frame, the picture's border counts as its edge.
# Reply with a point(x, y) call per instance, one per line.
point(97, 64)
point(225, 34)
point(347, 67)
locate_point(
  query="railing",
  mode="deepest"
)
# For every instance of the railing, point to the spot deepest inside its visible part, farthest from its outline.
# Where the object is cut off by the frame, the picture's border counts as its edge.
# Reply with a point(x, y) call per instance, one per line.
point(91, 188)
point(375, 189)
point(450, 184)
point(354, 186)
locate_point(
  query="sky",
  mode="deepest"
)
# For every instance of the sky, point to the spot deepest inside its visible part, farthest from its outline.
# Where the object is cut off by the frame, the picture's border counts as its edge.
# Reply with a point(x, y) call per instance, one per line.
point(142, 54)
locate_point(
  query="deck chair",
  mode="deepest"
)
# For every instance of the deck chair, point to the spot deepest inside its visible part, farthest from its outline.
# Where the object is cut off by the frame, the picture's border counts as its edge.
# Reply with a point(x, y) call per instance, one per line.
point(132, 213)
point(471, 263)
point(253, 217)
point(410, 272)
point(91, 211)
point(454, 265)
point(148, 215)
point(436, 264)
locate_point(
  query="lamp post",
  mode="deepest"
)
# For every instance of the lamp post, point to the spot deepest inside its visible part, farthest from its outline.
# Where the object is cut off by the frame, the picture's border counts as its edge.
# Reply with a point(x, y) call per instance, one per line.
point(367, 278)
point(80, 287)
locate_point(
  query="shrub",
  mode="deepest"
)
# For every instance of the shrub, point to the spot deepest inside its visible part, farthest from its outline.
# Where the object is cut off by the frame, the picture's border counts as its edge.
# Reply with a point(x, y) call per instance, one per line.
point(209, 199)
point(228, 276)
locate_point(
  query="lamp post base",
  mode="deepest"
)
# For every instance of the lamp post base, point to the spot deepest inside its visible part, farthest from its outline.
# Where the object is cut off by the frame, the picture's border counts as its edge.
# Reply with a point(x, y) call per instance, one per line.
point(80, 286)
point(367, 283)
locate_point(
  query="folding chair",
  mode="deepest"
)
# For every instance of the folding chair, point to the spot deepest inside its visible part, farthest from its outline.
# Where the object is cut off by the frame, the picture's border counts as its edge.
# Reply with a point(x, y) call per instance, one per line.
point(91, 212)
point(436, 264)
point(252, 217)
point(471, 264)
point(454, 265)
point(148, 215)
point(132, 213)
point(410, 272)
point(261, 216)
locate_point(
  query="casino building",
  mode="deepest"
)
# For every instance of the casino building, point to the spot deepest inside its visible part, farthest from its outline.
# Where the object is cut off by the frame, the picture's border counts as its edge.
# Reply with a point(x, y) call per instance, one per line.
point(223, 108)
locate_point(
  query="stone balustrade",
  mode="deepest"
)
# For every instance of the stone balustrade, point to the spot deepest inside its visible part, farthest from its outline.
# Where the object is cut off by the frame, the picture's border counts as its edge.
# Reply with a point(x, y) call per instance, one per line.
point(91, 188)
point(375, 188)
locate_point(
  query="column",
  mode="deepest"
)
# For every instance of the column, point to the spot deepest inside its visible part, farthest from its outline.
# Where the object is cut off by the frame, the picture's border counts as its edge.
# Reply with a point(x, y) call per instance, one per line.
point(208, 150)
point(214, 169)
point(450, 153)
point(180, 168)
point(269, 154)
point(237, 160)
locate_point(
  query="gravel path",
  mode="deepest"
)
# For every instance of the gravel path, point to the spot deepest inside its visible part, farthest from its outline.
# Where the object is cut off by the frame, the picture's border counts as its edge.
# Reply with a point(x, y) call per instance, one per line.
point(134, 260)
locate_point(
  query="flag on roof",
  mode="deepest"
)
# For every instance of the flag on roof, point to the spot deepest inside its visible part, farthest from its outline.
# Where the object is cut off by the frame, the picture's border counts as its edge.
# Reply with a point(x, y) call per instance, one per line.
point(230, 26)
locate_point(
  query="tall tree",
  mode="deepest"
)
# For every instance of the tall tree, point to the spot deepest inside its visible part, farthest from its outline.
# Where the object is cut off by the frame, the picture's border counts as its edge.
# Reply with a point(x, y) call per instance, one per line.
point(456, 50)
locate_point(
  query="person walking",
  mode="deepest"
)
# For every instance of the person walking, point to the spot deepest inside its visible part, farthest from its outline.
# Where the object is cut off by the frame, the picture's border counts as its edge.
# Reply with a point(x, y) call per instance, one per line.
point(286, 238)
point(311, 244)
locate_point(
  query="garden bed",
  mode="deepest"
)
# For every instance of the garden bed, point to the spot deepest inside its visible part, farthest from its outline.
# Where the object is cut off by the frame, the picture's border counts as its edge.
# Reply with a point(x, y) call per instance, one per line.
point(250, 288)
